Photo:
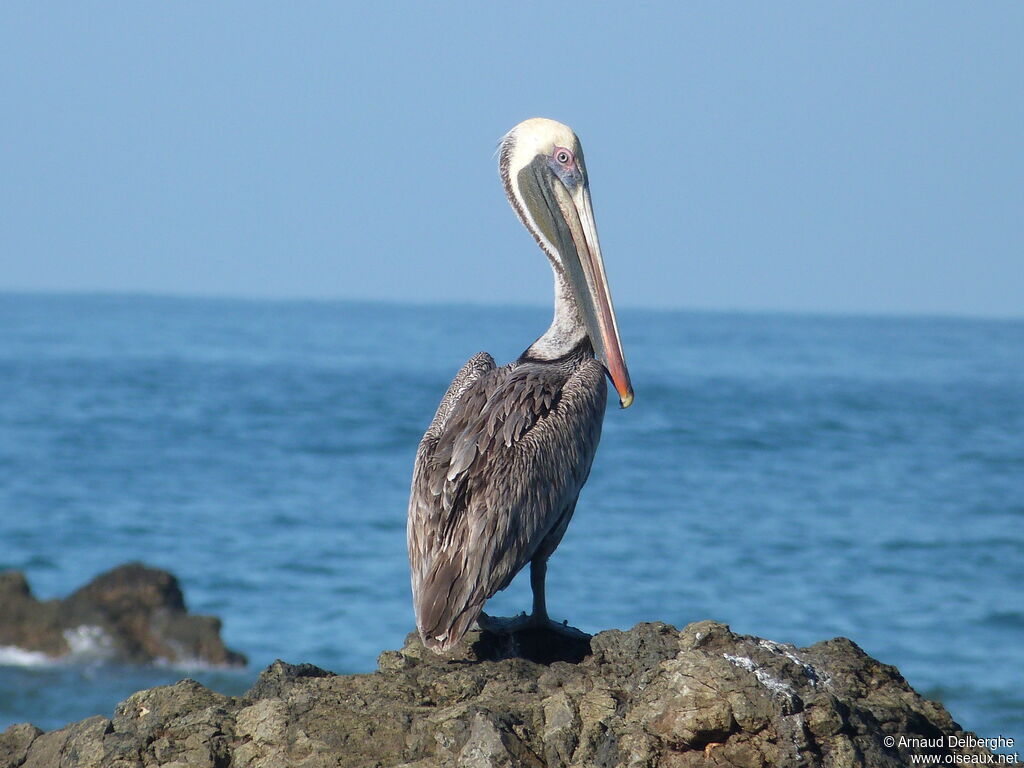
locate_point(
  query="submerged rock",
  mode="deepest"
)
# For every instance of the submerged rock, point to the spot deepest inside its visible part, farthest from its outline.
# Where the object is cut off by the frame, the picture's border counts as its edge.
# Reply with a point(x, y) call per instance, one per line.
point(652, 696)
point(132, 614)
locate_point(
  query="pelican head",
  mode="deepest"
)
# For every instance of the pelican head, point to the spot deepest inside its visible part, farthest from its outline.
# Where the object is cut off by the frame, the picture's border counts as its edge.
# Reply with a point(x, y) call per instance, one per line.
point(541, 163)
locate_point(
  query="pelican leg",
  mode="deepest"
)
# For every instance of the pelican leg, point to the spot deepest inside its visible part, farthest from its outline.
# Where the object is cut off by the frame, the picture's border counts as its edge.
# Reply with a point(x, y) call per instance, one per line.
point(538, 573)
point(536, 620)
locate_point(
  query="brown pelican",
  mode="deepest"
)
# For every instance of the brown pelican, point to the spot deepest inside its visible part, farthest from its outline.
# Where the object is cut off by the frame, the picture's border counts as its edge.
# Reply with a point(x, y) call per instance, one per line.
point(499, 470)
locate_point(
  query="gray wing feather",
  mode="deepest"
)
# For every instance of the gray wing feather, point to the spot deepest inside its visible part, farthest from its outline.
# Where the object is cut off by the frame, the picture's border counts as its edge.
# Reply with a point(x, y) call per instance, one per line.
point(422, 520)
point(503, 462)
point(478, 365)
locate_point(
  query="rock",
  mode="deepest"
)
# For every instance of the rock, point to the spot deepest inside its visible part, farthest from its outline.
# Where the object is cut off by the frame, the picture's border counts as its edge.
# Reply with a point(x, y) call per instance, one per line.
point(15, 741)
point(652, 696)
point(131, 614)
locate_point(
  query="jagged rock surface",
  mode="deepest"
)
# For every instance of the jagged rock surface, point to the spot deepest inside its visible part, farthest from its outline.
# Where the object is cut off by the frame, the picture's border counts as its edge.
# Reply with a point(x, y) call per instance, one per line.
point(652, 696)
point(130, 614)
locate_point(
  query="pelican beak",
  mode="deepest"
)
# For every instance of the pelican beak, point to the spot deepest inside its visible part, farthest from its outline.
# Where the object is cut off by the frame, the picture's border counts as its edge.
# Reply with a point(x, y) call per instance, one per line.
point(589, 283)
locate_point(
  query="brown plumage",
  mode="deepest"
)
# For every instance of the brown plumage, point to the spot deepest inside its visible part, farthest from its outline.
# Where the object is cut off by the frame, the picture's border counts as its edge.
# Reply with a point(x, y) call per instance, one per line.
point(499, 470)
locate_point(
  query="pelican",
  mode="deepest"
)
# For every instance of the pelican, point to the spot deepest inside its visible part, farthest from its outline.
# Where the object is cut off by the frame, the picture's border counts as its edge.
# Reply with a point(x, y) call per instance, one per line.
point(499, 470)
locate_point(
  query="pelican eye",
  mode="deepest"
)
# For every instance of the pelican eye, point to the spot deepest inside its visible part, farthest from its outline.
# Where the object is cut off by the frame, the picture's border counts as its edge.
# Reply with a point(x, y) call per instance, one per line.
point(563, 156)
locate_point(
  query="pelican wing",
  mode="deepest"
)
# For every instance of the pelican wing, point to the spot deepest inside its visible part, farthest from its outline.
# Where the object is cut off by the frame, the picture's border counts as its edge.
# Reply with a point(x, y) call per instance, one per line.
point(505, 462)
point(477, 366)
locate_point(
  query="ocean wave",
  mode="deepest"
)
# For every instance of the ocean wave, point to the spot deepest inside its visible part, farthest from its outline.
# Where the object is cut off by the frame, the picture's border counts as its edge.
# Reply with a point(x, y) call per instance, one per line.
point(87, 644)
point(194, 664)
point(13, 656)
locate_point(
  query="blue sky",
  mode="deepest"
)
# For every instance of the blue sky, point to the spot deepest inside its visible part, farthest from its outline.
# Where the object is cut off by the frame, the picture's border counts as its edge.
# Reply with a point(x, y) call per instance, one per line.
point(841, 157)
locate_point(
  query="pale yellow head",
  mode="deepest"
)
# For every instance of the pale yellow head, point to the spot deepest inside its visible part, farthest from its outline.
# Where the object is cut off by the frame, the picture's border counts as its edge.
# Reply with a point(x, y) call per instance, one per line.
point(537, 136)
point(545, 178)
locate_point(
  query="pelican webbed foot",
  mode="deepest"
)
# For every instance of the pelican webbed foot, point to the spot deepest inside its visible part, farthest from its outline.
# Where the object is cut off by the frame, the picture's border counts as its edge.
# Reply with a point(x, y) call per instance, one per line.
point(533, 637)
point(531, 622)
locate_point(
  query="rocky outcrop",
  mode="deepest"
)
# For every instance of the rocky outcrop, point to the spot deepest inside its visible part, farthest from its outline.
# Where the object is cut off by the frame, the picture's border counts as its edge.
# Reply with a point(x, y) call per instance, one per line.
point(652, 696)
point(131, 614)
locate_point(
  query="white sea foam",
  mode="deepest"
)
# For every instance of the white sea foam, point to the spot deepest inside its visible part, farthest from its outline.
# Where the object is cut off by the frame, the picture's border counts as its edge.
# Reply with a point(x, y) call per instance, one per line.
point(88, 643)
point(13, 656)
point(191, 664)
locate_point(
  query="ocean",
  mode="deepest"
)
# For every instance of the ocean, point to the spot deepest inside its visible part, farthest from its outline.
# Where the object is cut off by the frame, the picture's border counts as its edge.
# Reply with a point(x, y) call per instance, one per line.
point(795, 476)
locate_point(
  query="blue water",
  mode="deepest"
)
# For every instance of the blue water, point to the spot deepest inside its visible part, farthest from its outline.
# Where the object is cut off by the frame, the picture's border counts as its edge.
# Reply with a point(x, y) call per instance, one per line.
point(797, 477)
